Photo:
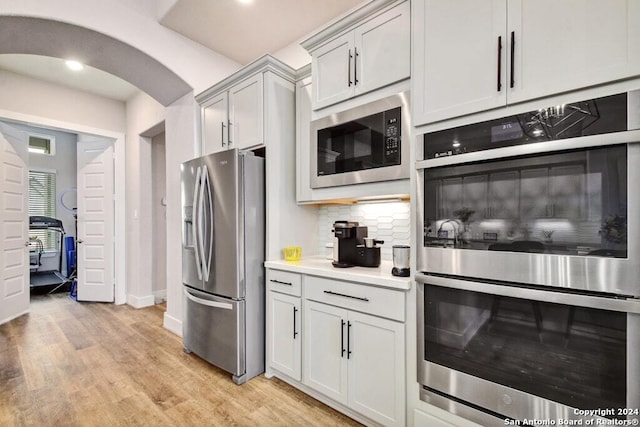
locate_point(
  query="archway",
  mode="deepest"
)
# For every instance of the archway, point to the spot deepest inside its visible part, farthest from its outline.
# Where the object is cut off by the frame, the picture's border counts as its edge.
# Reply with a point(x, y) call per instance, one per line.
point(37, 36)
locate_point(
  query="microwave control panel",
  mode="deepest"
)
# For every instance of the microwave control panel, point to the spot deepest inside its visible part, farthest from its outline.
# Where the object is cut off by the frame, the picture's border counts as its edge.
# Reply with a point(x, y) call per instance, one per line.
point(392, 137)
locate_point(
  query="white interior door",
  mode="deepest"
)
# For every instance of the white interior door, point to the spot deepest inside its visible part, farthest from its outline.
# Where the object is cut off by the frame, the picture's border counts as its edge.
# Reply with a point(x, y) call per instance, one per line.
point(14, 223)
point(95, 219)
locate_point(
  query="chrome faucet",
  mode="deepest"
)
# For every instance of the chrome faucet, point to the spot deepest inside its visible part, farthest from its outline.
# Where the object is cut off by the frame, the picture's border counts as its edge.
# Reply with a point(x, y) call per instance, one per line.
point(455, 225)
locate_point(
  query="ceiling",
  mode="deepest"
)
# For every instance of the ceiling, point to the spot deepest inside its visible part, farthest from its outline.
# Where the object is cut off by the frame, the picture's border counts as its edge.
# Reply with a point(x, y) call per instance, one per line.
point(242, 32)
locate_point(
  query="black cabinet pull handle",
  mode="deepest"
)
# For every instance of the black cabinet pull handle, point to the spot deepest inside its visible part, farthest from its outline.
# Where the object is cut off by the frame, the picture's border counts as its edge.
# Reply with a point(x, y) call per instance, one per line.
point(282, 283)
point(513, 60)
point(348, 340)
point(349, 69)
point(499, 63)
point(355, 67)
point(342, 350)
point(222, 133)
point(295, 310)
point(346, 296)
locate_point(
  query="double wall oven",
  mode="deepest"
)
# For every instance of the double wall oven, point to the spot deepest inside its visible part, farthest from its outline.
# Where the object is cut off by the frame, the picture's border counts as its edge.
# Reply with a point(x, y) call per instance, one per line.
point(529, 265)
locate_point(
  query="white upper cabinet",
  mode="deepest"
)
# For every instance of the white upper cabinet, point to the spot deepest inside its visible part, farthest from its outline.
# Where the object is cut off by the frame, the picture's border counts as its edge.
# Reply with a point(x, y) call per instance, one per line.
point(571, 44)
point(371, 53)
point(333, 69)
point(383, 50)
point(233, 112)
point(459, 58)
point(504, 55)
point(234, 118)
point(246, 113)
point(215, 124)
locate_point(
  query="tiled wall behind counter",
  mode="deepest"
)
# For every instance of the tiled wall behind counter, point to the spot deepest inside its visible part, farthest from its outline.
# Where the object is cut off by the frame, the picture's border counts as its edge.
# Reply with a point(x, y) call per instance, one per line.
point(388, 221)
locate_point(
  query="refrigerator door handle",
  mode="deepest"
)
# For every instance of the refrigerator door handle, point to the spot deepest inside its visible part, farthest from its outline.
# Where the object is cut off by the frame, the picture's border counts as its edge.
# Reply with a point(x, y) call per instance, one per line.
point(195, 219)
point(209, 245)
point(208, 303)
point(201, 220)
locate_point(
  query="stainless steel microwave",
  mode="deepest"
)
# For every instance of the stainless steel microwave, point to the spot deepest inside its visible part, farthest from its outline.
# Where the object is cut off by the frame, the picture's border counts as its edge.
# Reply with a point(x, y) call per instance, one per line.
point(368, 143)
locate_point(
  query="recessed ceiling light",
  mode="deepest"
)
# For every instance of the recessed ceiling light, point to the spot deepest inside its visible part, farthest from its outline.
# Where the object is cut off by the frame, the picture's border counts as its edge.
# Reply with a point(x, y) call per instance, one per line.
point(245, 1)
point(74, 65)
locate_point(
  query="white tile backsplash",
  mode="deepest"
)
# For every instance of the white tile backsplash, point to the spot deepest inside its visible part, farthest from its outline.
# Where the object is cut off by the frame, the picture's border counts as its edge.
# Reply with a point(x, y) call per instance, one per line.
point(388, 221)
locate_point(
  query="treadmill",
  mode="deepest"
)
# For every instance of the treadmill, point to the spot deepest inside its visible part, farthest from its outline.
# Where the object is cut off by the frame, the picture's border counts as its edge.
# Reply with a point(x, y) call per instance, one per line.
point(39, 278)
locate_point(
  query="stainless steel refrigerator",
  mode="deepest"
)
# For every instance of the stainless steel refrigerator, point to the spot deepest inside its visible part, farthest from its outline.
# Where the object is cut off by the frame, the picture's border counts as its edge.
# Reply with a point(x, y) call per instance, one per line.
point(223, 241)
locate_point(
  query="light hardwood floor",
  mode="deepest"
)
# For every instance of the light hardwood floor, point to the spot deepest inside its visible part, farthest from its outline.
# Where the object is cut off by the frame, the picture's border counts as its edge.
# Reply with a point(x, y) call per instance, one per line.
point(90, 364)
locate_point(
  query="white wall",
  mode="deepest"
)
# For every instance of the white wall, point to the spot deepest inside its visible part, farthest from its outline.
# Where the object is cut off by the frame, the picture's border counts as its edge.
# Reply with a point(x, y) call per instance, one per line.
point(293, 55)
point(143, 113)
point(20, 94)
point(180, 126)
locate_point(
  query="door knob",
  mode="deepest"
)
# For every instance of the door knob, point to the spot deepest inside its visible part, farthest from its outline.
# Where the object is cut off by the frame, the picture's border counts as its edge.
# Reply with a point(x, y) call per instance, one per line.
point(26, 243)
point(80, 241)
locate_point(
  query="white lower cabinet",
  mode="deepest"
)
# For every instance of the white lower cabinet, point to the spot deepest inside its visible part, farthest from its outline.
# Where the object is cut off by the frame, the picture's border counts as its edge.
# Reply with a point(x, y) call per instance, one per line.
point(285, 338)
point(342, 342)
point(357, 360)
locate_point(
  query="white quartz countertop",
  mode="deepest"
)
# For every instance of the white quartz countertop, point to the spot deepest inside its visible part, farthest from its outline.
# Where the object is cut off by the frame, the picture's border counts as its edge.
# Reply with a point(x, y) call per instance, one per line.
point(320, 266)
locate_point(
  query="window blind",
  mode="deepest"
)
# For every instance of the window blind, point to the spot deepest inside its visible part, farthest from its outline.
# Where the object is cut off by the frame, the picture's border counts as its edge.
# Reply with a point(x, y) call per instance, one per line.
point(42, 201)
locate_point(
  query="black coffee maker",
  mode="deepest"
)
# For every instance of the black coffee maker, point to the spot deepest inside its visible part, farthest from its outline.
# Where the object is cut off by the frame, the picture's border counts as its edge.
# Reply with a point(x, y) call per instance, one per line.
point(352, 247)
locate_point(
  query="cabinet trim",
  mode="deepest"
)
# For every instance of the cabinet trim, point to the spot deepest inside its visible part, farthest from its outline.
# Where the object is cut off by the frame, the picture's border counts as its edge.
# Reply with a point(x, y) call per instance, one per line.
point(262, 64)
point(346, 22)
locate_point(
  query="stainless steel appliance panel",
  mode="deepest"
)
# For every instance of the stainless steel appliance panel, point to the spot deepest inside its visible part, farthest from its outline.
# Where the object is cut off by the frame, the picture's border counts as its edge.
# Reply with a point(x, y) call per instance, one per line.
point(214, 329)
point(376, 174)
point(223, 210)
point(585, 272)
point(559, 339)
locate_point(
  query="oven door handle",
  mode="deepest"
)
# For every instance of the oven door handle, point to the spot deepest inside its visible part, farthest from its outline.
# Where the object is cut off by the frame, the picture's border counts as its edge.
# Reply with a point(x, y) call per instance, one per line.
point(625, 305)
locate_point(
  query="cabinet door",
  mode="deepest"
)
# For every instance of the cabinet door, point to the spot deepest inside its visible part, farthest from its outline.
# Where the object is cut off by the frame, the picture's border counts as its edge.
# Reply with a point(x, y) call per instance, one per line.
point(504, 195)
point(562, 46)
point(325, 367)
point(246, 113)
point(284, 323)
point(534, 193)
point(458, 69)
point(383, 50)
point(376, 368)
point(214, 124)
point(332, 70)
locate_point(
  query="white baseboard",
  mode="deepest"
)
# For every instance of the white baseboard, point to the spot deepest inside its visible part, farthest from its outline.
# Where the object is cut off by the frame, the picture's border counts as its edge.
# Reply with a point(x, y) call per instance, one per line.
point(140, 302)
point(160, 296)
point(172, 324)
point(8, 319)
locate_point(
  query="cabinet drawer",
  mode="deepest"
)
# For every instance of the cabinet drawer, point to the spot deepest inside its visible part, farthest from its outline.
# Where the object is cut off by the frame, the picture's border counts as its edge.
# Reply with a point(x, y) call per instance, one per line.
point(283, 281)
point(366, 299)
